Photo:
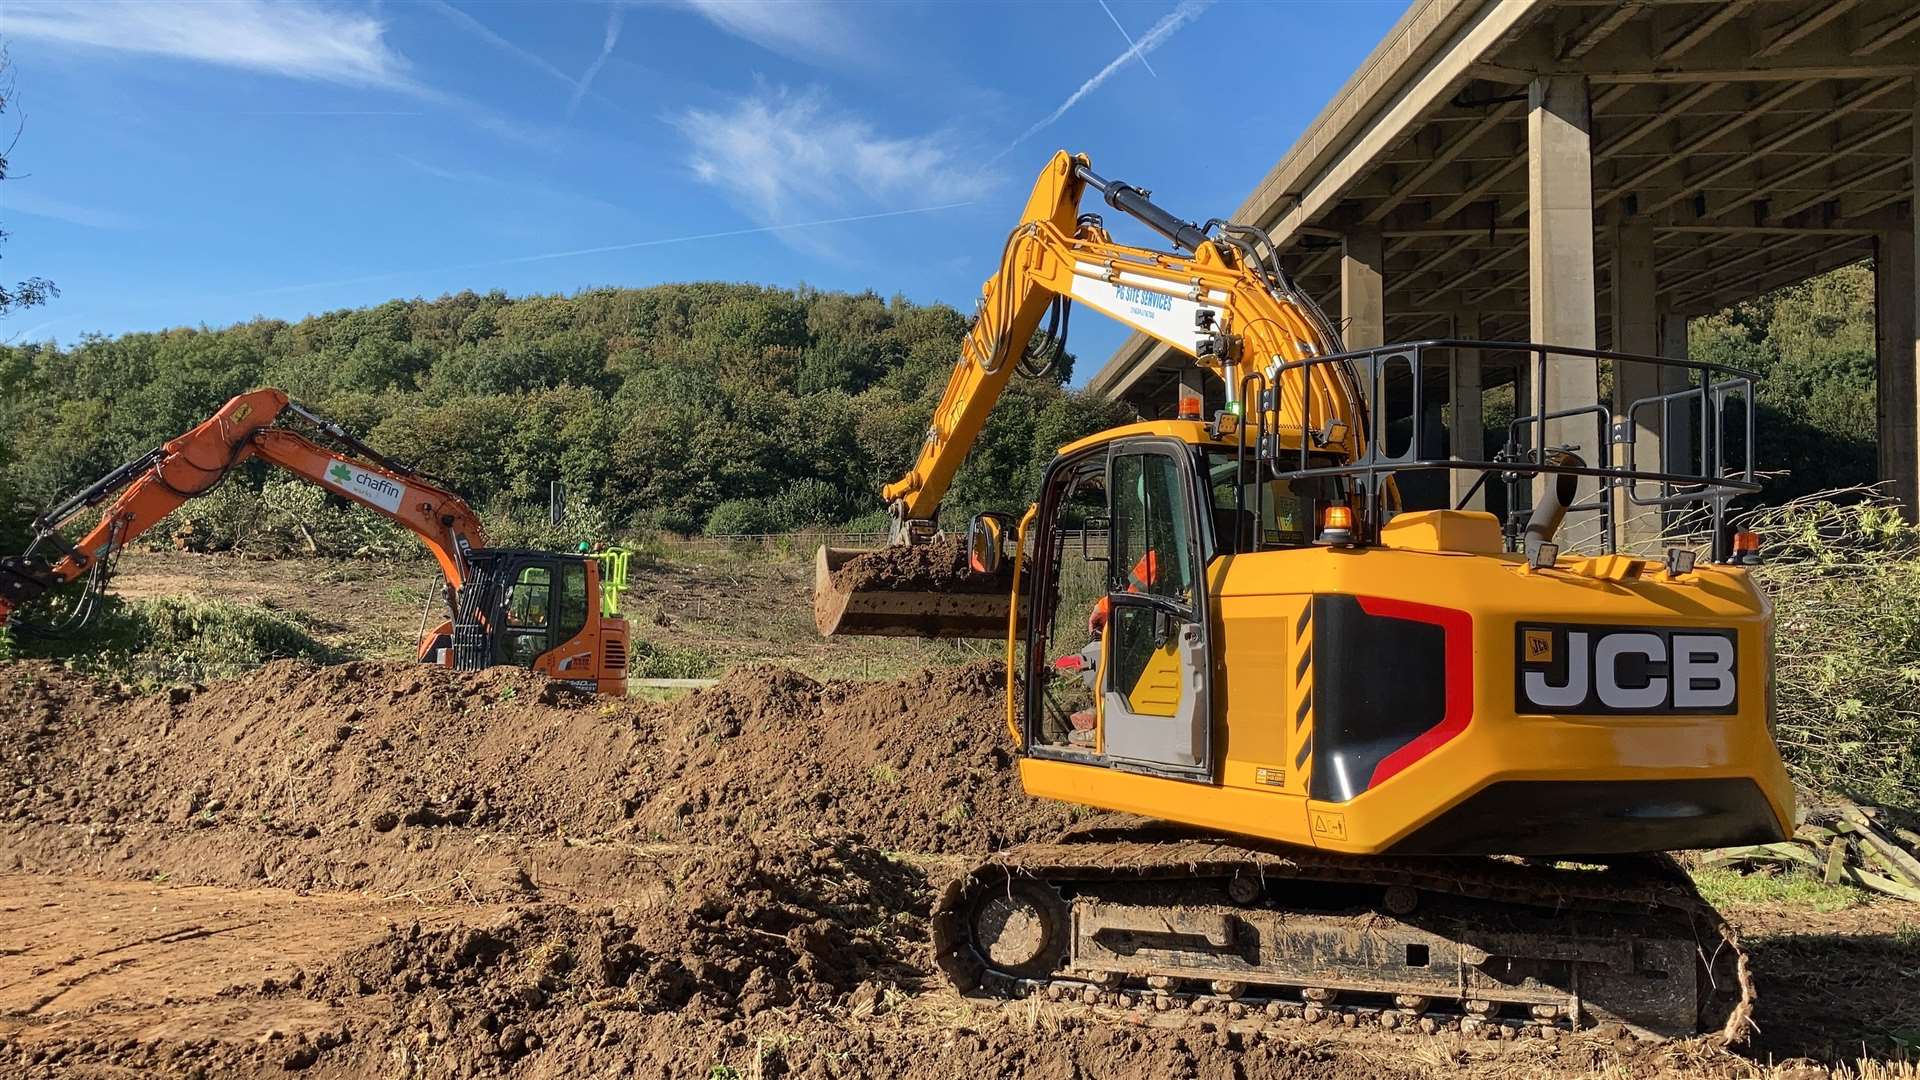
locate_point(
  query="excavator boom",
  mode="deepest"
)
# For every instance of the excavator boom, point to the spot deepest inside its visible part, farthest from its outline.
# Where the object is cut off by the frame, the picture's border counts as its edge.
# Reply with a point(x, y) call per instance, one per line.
point(150, 487)
point(1221, 303)
point(1222, 300)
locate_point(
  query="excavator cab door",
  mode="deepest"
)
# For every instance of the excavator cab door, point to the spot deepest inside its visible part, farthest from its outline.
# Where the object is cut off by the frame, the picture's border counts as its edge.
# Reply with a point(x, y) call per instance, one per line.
point(528, 609)
point(1156, 712)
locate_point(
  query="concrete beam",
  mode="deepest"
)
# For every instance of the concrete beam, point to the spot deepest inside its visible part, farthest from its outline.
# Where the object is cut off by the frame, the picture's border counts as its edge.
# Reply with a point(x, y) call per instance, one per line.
point(1466, 427)
point(1363, 307)
point(1560, 272)
point(1897, 346)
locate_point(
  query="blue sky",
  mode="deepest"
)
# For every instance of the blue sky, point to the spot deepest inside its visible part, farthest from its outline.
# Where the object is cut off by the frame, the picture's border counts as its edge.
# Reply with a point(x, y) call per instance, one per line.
point(203, 163)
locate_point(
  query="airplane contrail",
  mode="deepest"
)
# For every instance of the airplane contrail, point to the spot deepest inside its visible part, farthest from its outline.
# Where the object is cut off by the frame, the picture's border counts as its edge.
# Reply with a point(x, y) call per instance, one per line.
point(605, 248)
point(614, 18)
point(1188, 11)
point(1130, 44)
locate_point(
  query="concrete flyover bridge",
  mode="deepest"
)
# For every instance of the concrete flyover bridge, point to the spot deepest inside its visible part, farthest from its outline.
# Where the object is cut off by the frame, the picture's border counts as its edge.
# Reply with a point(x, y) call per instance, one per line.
point(1592, 173)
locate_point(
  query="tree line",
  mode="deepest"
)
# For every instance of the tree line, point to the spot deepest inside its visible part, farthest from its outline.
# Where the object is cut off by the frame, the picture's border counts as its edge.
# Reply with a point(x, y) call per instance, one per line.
point(733, 408)
point(689, 407)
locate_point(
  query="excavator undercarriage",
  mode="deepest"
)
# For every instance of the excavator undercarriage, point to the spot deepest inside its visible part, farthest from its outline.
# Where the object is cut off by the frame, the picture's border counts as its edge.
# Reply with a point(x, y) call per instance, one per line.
point(1151, 917)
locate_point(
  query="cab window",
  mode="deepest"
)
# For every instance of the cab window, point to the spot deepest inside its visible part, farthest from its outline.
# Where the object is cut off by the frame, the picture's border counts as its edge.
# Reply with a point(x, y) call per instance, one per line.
point(1152, 529)
point(572, 604)
point(1288, 510)
point(528, 596)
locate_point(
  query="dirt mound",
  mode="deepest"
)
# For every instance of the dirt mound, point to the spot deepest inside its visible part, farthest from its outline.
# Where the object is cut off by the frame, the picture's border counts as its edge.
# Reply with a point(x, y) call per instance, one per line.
point(919, 764)
point(303, 751)
point(939, 565)
point(742, 931)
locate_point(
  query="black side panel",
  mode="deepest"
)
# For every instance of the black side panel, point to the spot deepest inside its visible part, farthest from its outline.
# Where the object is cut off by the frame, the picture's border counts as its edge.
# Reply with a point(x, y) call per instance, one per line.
point(1378, 683)
point(1599, 817)
point(472, 644)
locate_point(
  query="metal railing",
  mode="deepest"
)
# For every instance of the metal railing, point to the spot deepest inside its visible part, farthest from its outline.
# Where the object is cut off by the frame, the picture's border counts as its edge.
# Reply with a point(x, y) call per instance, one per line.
point(1698, 406)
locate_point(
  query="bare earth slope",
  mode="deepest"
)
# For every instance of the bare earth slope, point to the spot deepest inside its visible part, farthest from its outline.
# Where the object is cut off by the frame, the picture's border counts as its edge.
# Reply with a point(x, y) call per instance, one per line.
point(376, 869)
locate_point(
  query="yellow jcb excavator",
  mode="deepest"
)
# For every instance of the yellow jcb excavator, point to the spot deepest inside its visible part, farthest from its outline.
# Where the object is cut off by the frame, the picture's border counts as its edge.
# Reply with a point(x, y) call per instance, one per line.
point(542, 610)
point(1369, 763)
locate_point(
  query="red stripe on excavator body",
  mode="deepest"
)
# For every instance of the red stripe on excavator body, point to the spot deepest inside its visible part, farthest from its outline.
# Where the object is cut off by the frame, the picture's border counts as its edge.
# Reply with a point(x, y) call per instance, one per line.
point(1457, 626)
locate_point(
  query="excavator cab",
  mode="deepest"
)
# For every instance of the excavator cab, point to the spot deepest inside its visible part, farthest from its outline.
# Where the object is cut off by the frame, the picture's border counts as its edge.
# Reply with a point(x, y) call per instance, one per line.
point(542, 610)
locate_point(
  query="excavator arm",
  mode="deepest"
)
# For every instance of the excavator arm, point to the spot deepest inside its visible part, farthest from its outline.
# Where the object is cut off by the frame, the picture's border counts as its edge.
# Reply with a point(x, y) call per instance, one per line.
point(1221, 300)
point(150, 487)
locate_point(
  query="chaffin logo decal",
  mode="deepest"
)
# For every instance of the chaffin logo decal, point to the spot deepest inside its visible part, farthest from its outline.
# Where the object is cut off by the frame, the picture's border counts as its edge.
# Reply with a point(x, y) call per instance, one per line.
point(367, 486)
point(1624, 670)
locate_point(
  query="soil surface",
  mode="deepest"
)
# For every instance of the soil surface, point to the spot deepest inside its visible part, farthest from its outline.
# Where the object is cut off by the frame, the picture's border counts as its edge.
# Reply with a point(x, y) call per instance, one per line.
point(726, 606)
point(939, 565)
point(376, 869)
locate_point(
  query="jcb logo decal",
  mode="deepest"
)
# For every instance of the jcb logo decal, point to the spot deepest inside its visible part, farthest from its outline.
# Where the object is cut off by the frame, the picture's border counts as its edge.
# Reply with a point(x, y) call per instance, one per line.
point(1538, 646)
point(1613, 670)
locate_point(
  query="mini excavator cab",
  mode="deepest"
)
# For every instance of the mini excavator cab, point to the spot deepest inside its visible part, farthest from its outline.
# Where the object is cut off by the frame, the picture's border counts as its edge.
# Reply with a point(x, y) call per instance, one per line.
point(535, 609)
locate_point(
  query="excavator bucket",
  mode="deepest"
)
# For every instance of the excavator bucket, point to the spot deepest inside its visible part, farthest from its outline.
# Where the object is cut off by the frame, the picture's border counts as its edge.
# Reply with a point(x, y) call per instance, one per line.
point(922, 590)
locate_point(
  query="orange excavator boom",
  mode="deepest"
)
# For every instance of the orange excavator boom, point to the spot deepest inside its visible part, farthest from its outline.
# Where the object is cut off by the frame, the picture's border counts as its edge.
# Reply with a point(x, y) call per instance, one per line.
point(155, 484)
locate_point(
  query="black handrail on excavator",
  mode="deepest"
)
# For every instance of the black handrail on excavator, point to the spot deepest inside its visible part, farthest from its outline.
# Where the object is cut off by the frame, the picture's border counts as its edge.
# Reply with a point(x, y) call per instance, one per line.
point(1527, 454)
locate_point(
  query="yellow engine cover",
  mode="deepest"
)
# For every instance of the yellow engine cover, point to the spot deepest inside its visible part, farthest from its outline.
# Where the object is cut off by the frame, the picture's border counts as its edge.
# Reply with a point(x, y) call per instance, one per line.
point(1438, 702)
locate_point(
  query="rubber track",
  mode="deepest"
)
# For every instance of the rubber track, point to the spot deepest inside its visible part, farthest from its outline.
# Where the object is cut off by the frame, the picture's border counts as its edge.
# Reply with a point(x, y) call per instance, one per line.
point(1648, 885)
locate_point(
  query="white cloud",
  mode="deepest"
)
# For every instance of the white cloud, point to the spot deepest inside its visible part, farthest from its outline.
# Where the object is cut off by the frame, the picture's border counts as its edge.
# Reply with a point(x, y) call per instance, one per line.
point(290, 37)
point(785, 155)
point(19, 200)
point(1155, 36)
point(810, 30)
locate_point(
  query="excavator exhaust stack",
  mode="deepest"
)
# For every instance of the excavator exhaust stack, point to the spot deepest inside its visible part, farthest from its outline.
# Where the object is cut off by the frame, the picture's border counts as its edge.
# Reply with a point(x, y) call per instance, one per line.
point(919, 590)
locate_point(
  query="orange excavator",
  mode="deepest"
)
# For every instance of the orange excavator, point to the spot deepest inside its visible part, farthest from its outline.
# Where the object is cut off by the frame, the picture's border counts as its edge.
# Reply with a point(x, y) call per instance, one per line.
point(541, 610)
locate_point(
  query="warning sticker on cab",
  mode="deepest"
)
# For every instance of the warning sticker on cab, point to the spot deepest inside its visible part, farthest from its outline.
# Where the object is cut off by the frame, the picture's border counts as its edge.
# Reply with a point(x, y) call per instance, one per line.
point(369, 487)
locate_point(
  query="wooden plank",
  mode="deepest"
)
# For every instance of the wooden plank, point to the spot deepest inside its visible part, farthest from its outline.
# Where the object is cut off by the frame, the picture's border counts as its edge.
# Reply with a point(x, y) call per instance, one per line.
point(1773, 853)
point(1896, 857)
point(1836, 872)
point(1887, 885)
